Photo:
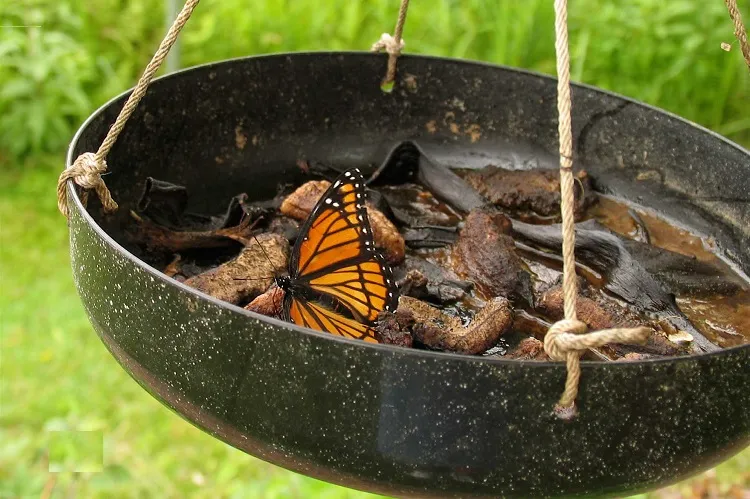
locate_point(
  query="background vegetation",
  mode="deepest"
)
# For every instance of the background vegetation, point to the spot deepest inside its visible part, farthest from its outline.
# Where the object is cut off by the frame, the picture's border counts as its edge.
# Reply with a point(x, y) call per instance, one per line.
point(56, 378)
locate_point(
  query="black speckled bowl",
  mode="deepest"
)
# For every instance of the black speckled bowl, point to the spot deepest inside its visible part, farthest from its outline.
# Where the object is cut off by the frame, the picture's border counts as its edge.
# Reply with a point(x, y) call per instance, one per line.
point(381, 418)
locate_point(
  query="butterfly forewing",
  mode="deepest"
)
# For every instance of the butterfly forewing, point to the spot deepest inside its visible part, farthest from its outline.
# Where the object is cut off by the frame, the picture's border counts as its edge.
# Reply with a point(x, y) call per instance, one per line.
point(337, 229)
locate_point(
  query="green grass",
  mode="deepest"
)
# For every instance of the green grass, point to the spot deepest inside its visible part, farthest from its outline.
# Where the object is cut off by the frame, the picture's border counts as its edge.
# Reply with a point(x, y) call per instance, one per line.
point(61, 393)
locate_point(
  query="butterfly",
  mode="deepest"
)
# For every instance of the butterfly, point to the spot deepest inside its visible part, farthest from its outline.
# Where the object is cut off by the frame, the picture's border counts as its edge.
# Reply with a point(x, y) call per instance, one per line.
point(338, 282)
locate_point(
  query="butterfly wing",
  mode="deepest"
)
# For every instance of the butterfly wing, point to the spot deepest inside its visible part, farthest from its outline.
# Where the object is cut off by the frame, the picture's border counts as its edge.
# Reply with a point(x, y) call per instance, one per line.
point(316, 315)
point(335, 256)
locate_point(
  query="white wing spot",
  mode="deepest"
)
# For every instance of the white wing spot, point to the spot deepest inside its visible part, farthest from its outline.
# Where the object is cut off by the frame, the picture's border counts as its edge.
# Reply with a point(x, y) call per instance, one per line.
point(346, 174)
point(364, 230)
point(328, 201)
point(335, 205)
point(360, 218)
point(359, 195)
point(356, 186)
point(338, 183)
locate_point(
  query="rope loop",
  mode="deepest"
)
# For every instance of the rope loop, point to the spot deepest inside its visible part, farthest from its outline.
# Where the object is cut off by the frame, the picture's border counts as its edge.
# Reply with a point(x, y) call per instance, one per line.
point(86, 171)
point(393, 45)
point(88, 167)
point(389, 44)
point(565, 341)
point(557, 341)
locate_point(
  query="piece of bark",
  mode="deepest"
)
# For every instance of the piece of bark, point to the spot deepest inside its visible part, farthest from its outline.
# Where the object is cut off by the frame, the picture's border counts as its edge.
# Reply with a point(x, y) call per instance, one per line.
point(422, 279)
point(174, 269)
point(394, 328)
point(587, 310)
point(440, 331)
point(430, 237)
point(247, 275)
point(486, 254)
point(301, 202)
point(528, 349)
point(269, 303)
point(414, 206)
point(165, 204)
point(162, 239)
point(536, 191)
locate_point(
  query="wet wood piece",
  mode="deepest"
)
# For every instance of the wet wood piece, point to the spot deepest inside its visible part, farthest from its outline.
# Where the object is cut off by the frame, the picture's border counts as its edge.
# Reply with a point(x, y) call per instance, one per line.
point(430, 237)
point(440, 331)
point(269, 303)
point(623, 275)
point(247, 275)
point(408, 163)
point(528, 349)
point(601, 313)
point(414, 206)
point(158, 238)
point(394, 328)
point(486, 254)
point(422, 279)
point(678, 272)
point(536, 191)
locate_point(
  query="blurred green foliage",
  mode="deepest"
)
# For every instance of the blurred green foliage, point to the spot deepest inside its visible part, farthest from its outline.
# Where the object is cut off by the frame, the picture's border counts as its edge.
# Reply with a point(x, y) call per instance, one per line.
point(664, 53)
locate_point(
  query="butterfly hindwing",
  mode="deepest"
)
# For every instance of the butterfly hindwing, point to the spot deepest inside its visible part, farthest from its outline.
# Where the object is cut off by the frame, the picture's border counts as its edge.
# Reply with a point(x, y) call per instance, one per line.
point(365, 288)
point(318, 316)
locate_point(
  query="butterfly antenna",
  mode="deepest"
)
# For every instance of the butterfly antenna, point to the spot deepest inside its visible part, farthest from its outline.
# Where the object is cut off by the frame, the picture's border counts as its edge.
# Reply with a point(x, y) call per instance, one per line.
point(263, 250)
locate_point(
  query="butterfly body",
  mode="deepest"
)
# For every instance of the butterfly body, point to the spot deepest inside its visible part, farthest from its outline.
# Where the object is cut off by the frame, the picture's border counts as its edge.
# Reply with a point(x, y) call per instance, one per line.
point(338, 282)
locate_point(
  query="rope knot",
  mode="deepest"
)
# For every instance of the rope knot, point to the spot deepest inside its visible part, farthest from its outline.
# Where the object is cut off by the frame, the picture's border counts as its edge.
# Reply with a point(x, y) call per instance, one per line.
point(389, 44)
point(557, 341)
point(86, 171)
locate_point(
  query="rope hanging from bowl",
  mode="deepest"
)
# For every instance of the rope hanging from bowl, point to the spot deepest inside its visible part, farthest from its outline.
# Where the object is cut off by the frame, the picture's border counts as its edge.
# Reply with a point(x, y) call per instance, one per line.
point(87, 169)
point(392, 44)
point(739, 29)
point(565, 340)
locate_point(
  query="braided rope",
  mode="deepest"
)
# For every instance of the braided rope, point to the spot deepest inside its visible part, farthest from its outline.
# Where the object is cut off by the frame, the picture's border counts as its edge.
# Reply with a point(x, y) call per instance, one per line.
point(393, 45)
point(87, 169)
point(565, 340)
point(739, 29)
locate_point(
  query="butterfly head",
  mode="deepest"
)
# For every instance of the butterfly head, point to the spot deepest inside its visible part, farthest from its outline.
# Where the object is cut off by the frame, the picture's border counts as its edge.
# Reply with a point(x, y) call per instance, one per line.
point(283, 281)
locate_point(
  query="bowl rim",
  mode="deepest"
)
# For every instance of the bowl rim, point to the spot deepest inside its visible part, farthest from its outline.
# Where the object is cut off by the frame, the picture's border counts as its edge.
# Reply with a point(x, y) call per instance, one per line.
point(81, 210)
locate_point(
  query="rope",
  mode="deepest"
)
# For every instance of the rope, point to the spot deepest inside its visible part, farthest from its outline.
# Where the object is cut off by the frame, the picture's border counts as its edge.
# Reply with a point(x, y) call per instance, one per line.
point(392, 44)
point(565, 340)
point(739, 29)
point(87, 169)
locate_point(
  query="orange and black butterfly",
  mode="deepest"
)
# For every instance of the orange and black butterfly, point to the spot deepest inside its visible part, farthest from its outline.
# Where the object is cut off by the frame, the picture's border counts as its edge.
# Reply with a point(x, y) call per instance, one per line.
point(338, 282)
